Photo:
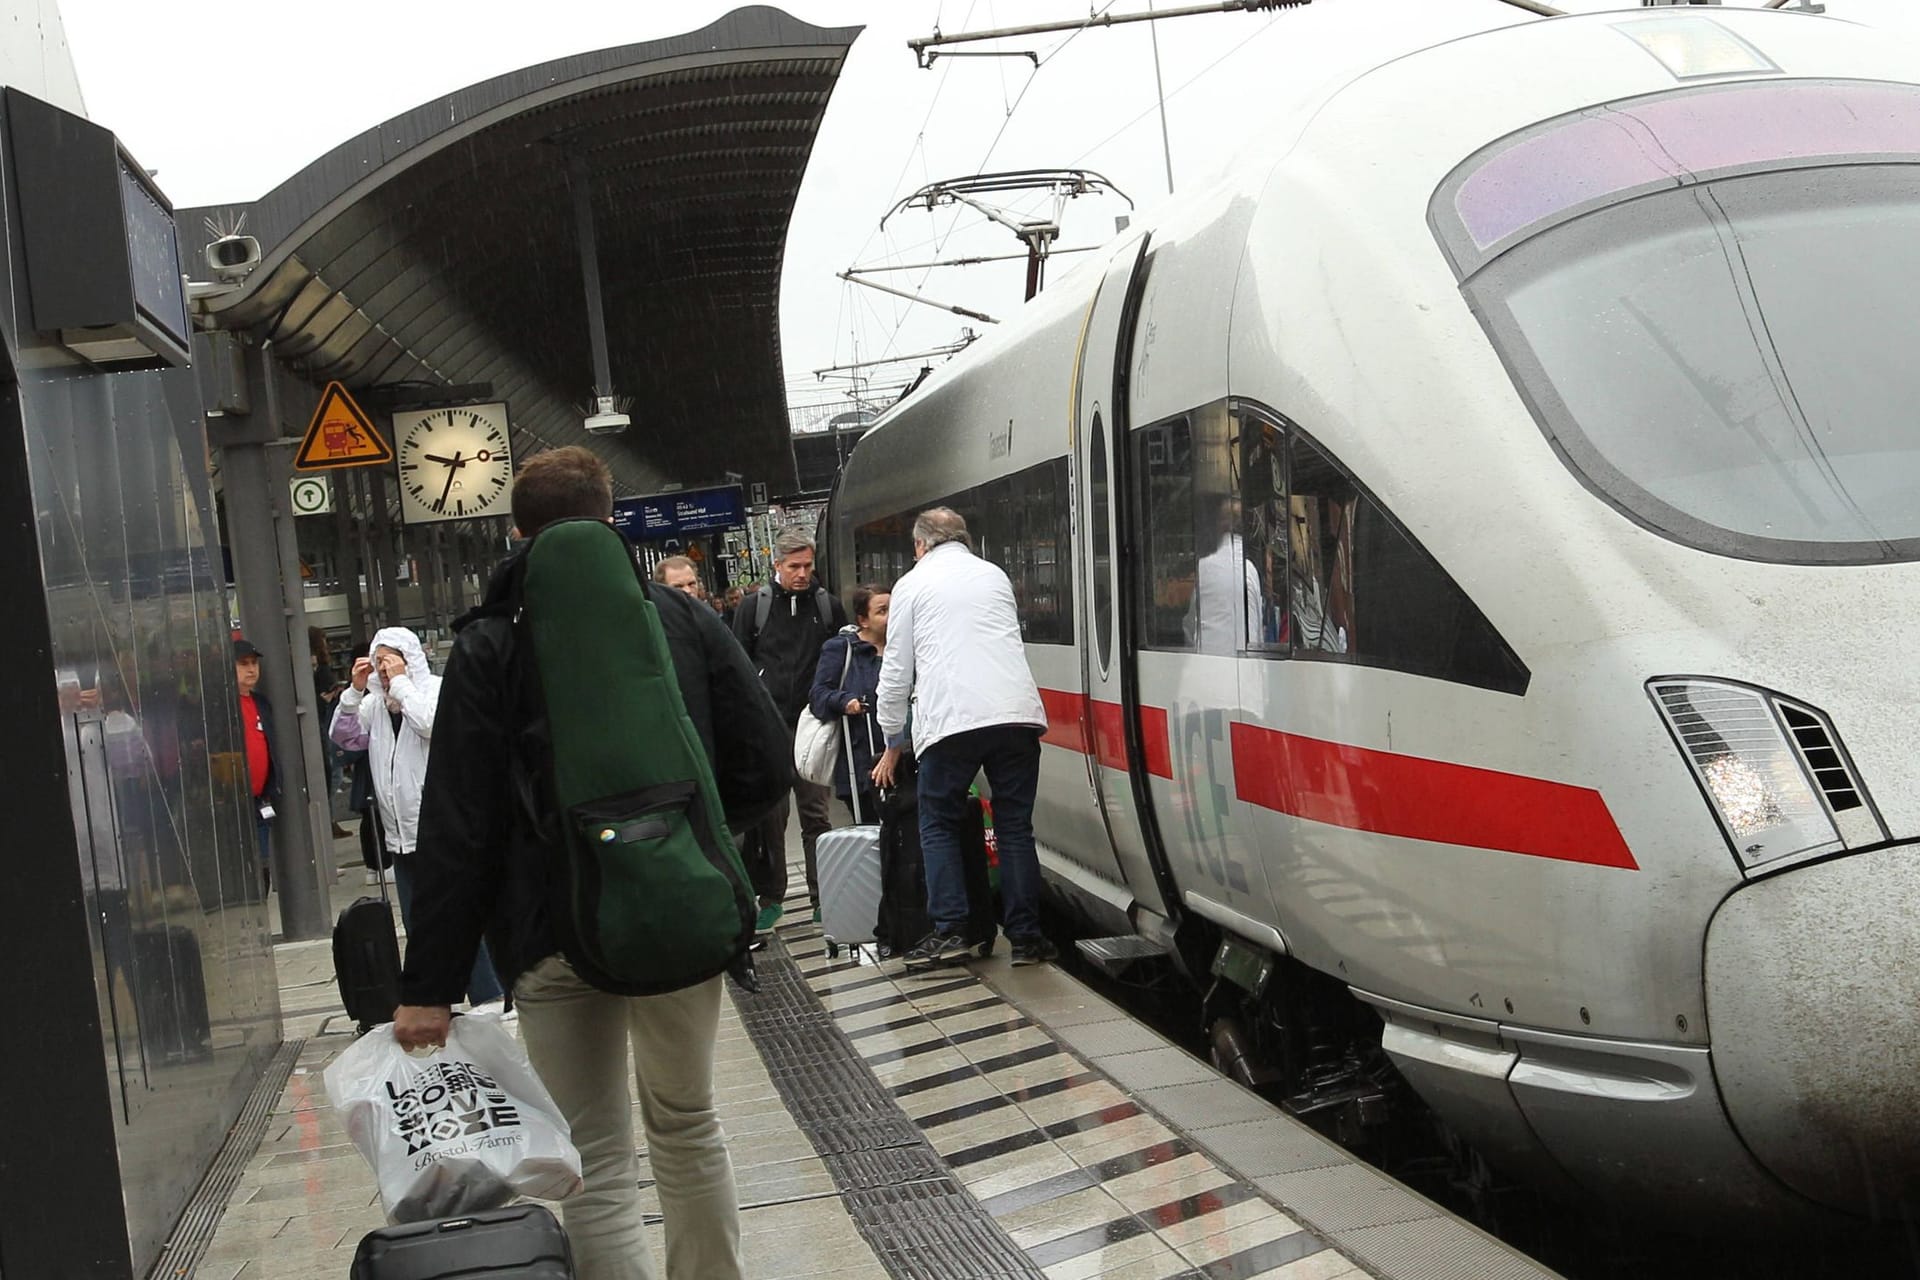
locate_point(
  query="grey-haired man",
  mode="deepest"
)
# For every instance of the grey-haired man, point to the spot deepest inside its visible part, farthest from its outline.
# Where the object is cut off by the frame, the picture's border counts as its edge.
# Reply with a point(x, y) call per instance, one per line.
point(782, 627)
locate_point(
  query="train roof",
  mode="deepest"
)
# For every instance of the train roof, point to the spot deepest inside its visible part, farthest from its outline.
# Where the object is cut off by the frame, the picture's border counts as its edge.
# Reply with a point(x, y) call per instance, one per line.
point(1354, 115)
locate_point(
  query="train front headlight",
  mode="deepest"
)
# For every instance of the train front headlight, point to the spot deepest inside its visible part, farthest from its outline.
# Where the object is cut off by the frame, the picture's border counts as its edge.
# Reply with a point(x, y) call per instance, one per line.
point(1774, 770)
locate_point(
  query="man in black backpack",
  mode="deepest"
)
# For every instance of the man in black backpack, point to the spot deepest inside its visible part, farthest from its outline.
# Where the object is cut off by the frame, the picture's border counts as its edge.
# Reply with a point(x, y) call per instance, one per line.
point(483, 866)
point(782, 626)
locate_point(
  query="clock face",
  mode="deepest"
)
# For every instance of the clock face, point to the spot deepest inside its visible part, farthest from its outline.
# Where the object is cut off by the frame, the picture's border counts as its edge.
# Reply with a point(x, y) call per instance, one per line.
point(454, 463)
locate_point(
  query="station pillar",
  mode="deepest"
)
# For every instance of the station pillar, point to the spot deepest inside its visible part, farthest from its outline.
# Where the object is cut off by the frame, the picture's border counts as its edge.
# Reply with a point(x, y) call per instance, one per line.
point(256, 456)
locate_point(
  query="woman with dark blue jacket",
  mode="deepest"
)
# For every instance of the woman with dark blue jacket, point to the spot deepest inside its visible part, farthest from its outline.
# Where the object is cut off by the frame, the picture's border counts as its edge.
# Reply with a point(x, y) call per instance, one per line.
point(852, 695)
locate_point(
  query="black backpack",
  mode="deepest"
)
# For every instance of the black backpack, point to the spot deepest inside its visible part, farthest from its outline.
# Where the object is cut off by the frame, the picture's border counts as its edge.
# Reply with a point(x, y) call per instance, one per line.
point(763, 609)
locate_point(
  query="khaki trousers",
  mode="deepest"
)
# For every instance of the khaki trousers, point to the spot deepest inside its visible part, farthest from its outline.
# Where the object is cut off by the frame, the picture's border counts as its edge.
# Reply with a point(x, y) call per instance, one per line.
point(577, 1037)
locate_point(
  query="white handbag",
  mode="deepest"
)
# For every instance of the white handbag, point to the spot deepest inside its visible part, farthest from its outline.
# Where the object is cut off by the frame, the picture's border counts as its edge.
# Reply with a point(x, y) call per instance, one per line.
point(814, 739)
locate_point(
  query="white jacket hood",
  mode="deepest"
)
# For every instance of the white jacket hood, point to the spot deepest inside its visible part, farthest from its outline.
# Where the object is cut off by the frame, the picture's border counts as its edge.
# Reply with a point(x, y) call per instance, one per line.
point(407, 645)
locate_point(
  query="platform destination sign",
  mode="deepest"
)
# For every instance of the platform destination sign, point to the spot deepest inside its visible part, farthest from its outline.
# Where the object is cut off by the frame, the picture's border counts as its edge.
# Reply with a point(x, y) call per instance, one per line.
point(669, 515)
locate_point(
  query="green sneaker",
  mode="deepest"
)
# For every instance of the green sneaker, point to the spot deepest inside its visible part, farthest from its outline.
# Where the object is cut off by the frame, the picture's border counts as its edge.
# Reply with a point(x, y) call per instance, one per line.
point(769, 916)
point(816, 915)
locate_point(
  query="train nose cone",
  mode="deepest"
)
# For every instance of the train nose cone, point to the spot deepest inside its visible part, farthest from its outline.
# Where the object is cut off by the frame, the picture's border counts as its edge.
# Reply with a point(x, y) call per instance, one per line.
point(1813, 1008)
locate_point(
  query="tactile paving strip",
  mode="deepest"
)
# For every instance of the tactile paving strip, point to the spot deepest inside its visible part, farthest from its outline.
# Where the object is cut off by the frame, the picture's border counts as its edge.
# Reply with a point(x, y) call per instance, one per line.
point(922, 1224)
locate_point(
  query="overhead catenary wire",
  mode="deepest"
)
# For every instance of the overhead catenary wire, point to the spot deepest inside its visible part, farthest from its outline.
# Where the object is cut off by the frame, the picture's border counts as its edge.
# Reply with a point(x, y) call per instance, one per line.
point(940, 241)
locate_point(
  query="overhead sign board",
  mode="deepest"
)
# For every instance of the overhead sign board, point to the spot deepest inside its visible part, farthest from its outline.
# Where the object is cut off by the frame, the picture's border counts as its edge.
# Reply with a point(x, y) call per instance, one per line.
point(672, 515)
point(340, 435)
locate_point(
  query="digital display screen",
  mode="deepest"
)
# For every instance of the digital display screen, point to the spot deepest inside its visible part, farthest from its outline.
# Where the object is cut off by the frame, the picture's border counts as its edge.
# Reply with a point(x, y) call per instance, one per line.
point(667, 514)
point(153, 256)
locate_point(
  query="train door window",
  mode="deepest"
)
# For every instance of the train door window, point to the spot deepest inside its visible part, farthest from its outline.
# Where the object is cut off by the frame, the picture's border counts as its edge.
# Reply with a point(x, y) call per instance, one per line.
point(1266, 525)
point(1099, 510)
point(1166, 570)
point(1361, 588)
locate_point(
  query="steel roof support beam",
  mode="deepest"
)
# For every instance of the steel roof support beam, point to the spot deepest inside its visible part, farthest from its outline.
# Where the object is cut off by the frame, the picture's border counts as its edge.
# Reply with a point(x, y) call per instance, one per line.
point(581, 183)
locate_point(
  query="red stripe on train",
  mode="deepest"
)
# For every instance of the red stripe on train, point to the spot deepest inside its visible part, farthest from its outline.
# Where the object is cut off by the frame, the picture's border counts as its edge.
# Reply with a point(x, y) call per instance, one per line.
point(1420, 799)
point(1066, 724)
point(1068, 727)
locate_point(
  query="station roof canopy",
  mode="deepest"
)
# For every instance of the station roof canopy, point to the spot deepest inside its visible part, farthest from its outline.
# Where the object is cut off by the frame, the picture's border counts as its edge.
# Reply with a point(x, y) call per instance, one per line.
point(440, 248)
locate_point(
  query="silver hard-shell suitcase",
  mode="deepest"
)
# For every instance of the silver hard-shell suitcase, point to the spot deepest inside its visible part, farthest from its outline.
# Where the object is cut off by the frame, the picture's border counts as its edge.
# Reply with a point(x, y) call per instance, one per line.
point(847, 861)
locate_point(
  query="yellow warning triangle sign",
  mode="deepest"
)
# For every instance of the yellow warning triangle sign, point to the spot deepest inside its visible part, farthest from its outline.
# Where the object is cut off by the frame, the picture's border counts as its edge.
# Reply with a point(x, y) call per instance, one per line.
point(340, 435)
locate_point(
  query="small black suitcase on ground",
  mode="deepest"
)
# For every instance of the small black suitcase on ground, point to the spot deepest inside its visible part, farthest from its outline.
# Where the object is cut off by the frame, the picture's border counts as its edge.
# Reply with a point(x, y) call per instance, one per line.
point(366, 957)
point(519, 1242)
point(903, 872)
point(174, 1024)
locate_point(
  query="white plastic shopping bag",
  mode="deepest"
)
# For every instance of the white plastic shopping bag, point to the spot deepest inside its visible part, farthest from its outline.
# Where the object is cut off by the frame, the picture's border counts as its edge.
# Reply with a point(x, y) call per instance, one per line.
point(466, 1128)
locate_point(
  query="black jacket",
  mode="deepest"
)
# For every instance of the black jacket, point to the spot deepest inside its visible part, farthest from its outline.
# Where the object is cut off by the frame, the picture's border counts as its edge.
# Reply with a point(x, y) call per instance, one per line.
point(787, 650)
point(478, 867)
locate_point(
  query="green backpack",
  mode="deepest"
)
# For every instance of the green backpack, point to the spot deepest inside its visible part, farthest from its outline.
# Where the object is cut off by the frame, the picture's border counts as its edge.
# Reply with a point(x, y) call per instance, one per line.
point(651, 895)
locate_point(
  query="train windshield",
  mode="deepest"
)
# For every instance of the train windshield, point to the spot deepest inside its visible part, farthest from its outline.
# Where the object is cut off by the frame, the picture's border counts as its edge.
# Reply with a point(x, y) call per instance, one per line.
point(1733, 360)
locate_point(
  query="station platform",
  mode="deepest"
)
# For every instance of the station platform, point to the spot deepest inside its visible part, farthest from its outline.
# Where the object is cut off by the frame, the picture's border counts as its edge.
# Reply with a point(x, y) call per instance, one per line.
point(969, 1122)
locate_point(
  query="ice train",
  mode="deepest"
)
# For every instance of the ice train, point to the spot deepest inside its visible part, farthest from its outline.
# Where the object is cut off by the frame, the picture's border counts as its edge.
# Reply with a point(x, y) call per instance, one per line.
point(1469, 557)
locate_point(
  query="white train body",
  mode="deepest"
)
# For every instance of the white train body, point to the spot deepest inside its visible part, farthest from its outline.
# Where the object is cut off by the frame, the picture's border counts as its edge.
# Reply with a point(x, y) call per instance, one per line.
point(1417, 741)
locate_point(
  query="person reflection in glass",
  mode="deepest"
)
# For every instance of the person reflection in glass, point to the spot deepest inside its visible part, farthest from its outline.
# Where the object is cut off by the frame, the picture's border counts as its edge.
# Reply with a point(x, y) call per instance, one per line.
point(1322, 605)
point(1215, 618)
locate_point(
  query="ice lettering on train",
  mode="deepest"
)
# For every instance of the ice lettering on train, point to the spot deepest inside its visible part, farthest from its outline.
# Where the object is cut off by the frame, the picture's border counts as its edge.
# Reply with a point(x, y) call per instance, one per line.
point(1203, 796)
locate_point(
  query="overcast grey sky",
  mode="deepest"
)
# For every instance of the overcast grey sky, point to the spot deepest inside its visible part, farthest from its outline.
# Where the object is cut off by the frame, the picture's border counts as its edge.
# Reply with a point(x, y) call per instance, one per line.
point(226, 102)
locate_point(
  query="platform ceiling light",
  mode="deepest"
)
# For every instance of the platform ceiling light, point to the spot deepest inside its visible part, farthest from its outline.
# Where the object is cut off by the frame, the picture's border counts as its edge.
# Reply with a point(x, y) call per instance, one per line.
point(1695, 48)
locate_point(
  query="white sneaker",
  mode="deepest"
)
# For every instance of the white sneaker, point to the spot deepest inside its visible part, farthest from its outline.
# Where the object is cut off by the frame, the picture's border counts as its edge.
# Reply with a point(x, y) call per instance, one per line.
point(391, 877)
point(373, 877)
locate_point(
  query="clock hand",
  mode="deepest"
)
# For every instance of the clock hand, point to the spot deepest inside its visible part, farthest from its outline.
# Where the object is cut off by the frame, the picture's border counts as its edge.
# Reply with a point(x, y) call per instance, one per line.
point(454, 461)
point(453, 469)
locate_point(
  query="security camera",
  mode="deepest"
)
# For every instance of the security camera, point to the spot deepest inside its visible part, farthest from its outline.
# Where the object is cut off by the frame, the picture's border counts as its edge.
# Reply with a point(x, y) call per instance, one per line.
point(604, 421)
point(233, 258)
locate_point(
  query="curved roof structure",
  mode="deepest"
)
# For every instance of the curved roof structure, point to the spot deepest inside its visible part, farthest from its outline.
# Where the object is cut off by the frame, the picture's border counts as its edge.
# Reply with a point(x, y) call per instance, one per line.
point(439, 248)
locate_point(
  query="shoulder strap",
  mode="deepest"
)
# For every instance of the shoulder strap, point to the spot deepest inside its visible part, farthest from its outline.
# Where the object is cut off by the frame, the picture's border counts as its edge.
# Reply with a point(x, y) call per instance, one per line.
point(762, 609)
point(824, 603)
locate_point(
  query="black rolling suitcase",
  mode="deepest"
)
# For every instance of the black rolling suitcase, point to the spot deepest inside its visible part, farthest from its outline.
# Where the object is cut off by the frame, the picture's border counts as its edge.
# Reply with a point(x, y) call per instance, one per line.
point(174, 1023)
point(519, 1242)
point(903, 875)
point(366, 956)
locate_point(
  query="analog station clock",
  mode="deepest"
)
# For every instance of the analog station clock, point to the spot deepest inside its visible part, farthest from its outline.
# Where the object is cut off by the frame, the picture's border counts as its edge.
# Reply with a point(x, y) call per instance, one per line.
point(454, 463)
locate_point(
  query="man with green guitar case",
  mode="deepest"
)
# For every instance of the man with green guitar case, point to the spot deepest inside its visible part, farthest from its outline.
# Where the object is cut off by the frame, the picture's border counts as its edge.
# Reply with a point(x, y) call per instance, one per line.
point(596, 743)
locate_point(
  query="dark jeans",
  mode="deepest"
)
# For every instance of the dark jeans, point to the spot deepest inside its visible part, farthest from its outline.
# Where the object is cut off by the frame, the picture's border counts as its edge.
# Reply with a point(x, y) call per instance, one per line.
point(263, 829)
point(1010, 754)
point(768, 868)
point(483, 984)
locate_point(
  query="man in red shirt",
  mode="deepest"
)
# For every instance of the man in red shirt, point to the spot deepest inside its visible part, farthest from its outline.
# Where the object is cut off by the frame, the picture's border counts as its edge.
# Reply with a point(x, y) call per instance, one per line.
point(256, 723)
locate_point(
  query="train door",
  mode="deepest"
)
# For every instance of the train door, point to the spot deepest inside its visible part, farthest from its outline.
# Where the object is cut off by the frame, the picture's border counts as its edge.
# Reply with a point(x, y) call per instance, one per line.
point(1110, 715)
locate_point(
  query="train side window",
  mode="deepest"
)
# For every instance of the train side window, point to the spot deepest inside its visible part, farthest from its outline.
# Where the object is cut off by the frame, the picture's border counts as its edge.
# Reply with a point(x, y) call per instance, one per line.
point(1265, 524)
point(1226, 591)
point(1361, 588)
point(1166, 572)
point(1020, 522)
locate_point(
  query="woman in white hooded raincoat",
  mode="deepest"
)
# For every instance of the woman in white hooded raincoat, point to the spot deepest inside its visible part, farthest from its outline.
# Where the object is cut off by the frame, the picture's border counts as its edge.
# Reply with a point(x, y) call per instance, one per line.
point(387, 712)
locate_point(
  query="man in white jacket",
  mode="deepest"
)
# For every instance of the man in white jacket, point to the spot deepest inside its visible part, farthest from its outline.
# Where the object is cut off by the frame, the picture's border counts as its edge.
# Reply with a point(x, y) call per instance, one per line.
point(956, 659)
point(388, 712)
